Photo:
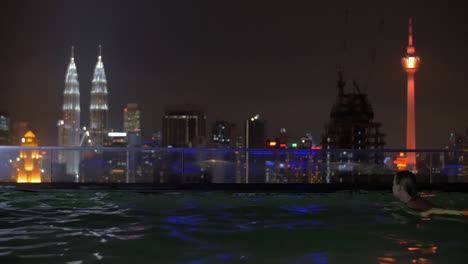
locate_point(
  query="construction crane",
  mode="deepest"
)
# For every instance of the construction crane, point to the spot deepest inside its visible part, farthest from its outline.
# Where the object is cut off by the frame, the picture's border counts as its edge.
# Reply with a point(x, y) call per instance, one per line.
point(346, 47)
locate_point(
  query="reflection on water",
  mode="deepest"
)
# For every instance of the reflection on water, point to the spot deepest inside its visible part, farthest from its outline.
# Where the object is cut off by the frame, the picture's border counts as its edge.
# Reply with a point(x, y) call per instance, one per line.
point(418, 252)
point(85, 227)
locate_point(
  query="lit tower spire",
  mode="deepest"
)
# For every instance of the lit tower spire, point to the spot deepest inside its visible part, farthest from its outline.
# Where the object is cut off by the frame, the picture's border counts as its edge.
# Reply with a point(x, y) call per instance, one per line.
point(98, 107)
point(410, 64)
point(69, 126)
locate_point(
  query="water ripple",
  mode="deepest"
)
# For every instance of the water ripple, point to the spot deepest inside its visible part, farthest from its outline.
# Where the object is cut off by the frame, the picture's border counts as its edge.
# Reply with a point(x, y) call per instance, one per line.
point(85, 227)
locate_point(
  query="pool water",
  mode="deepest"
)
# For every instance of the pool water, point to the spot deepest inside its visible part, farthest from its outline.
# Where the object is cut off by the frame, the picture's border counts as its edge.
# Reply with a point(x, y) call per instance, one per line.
point(219, 227)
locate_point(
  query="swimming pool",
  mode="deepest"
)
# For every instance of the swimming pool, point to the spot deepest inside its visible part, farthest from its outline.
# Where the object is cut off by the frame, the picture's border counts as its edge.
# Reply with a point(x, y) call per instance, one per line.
point(219, 227)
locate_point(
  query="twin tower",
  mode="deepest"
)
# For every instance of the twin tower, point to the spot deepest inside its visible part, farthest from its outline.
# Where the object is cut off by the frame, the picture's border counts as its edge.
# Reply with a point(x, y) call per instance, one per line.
point(70, 132)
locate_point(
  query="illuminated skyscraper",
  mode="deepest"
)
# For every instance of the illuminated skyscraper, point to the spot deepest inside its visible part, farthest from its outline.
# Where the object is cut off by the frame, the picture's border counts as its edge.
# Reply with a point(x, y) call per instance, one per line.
point(71, 107)
point(69, 129)
point(98, 107)
point(410, 64)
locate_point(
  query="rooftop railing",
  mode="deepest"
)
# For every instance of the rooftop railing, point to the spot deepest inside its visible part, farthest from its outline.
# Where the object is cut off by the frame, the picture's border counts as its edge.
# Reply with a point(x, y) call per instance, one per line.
point(243, 166)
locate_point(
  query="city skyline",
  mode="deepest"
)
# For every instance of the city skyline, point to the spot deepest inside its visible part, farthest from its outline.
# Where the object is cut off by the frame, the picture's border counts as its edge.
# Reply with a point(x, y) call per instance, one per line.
point(279, 61)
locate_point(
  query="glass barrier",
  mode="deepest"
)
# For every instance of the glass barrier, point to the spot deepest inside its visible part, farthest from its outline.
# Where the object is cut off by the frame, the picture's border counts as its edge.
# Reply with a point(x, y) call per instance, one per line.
point(198, 166)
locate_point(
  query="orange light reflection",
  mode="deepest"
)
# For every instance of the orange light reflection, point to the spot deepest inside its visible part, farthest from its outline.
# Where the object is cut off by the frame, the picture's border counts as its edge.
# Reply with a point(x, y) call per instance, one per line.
point(428, 195)
point(387, 259)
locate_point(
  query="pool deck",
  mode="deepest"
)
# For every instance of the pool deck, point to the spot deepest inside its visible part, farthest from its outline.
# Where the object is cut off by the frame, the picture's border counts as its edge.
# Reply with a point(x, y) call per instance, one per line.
point(250, 188)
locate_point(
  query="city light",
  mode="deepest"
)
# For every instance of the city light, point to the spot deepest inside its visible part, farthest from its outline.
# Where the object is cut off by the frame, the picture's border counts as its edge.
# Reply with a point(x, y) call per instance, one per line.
point(172, 160)
point(256, 117)
point(28, 166)
point(401, 161)
point(411, 62)
point(117, 134)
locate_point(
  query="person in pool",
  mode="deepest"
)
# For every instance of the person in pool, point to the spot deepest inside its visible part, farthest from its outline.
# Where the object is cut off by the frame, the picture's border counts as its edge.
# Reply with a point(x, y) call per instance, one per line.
point(404, 188)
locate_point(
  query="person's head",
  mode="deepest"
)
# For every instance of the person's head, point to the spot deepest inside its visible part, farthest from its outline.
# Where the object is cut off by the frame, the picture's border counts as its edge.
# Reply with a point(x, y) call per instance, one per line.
point(404, 184)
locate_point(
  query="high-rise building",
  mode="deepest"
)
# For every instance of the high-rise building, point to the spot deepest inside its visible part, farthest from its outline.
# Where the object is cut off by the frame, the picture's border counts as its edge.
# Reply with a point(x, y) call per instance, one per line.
point(4, 129)
point(69, 125)
point(255, 132)
point(98, 107)
point(283, 139)
point(183, 126)
point(221, 133)
point(131, 124)
point(71, 107)
point(410, 64)
point(131, 118)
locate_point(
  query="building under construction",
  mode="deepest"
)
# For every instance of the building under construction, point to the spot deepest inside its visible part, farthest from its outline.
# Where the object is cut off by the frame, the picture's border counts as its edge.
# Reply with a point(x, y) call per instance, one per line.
point(351, 125)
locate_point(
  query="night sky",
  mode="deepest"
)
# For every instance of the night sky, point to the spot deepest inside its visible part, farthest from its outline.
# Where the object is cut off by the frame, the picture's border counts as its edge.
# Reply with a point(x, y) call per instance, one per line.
point(236, 59)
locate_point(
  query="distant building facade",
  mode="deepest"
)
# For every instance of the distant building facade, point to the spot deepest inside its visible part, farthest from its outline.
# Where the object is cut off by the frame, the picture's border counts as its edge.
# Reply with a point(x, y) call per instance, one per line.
point(255, 133)
point(284, 138)
point(5, 129)
point(131, 124)
point(183, 126)
point(131, 118)
point(157, 139)
point(454, 161)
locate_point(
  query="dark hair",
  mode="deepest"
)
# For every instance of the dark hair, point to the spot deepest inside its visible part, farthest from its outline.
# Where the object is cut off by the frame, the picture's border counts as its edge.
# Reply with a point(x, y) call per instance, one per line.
point(408, 181)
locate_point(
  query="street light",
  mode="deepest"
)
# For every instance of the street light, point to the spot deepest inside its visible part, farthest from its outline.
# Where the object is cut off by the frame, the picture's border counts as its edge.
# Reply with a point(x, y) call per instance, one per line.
point(247, 127)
